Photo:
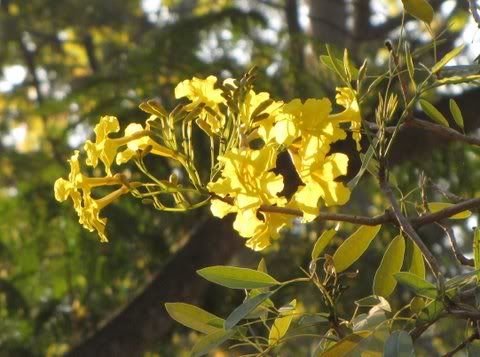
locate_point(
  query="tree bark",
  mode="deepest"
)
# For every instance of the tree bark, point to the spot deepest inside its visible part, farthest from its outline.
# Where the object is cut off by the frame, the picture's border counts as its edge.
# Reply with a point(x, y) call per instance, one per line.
point(296, 44)
point(144, 321)
point(329, 22)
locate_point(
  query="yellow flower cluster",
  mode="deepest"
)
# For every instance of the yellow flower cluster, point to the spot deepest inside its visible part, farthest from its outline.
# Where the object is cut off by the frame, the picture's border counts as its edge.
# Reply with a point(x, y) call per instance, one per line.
point(247, 184)
point(251, 130)
point(78, 187)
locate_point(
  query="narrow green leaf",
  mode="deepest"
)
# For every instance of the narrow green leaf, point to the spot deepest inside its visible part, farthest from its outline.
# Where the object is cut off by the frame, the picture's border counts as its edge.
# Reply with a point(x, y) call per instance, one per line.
point(376, 82)
point(337, 65)
point(262, 266)
point(281, 325)
point(418, 285)
point(237, 278)
point(366, 158)
point(347, 344)
point(417, 266)
point(399, 344)
point(456, 80)
point(431, 312)
point(211, 341)
point(410, 65)
point(433, 113)
point(438, 206)
point(243, 310)
point(322, 243)
point(346, 65)
point(354, 246)
point(373, 300)
point(476, 250)
point(384, 283)
point(420, 9)
point(456, 113)
point(447, 58)
point(194, 317)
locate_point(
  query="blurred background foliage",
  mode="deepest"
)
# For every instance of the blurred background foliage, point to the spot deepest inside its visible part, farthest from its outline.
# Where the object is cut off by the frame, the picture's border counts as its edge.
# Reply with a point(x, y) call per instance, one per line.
point(65, 63)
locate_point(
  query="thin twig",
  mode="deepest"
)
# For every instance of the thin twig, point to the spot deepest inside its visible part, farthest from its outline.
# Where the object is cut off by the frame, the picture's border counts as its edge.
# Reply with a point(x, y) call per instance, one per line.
point(440, 130)
point(443, 131)
point(474, 10)
point(446, 212)
point(463, 260)
point(411, 233)
point(461, 346)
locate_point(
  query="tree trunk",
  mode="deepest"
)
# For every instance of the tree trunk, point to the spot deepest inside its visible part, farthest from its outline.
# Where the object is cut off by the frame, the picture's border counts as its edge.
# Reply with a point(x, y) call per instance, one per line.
point(329, 22)
point(144, 321)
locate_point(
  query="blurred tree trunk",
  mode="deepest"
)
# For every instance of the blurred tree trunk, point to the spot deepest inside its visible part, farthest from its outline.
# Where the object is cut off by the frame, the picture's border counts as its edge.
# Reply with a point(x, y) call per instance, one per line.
point(144, 321)
point(296, 44)
point(329, 22)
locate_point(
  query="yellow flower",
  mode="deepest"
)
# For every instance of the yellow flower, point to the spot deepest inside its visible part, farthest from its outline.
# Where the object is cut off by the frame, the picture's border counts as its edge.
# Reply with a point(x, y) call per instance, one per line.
point(141, 143)
point(89, 214)
point(105, 148)
point(200, 91)
point(263, 127)
point(299, 119)
point(78, 188)
point(318, 171)
point(248, 183)
point(268, 230)
point(346, 97)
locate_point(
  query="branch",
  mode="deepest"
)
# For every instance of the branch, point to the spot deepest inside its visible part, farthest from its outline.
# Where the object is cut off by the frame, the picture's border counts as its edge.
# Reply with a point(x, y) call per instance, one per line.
point(410, 231)
point(443, 131)
point(475, 12)
point(463, 260)
point(464, 344)
point(446, 212)
point(440, 130)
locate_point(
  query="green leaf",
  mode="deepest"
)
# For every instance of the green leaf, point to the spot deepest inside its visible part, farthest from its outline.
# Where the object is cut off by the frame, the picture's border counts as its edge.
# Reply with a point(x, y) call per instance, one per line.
point(280, 326)
point(420, 9)
point(338, 66)
point(457, 80)
point(365, 162)
point(417, 265)
point(194, 317)
point(347, 344)
point(456, 113)
point(384, 283)
point(314, 319)
point(418, 285)
point(243, 310)
point(399, 344)
point(410, 65)
point(476, 251)
point(433, 113)
point(373, 300)
point(431, 312)
point(237, 278)
point(211, 341)
point(447, 58)
point(354, 246)
point(438, 206)
point(322, 242)
point(262, 266)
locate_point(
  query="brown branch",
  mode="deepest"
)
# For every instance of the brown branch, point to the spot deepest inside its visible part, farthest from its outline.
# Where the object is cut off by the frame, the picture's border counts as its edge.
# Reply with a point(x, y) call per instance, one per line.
point(464, 344)
point(474, 10)
point(443, 131)
point(463, 260)
point(446, 212)
point(440, 130)
point(410, 231)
